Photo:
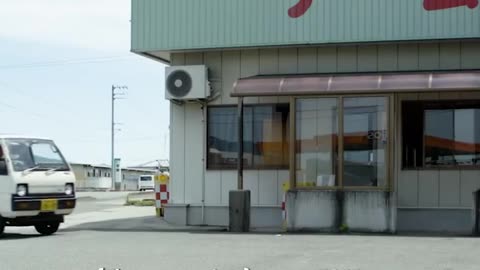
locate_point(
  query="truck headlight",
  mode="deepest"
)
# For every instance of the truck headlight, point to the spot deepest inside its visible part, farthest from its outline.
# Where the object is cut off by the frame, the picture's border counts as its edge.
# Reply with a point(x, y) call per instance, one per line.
point(22, 190)
point(69, 189)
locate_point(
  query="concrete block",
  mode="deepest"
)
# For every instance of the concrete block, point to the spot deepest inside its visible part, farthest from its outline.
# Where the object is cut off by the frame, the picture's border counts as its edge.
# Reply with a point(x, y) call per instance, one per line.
point(314, 210)
point(367, 211)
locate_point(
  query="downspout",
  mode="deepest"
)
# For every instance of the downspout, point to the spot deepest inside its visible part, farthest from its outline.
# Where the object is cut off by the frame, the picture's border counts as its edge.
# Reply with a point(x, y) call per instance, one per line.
point(204, 142)
point(240, 144)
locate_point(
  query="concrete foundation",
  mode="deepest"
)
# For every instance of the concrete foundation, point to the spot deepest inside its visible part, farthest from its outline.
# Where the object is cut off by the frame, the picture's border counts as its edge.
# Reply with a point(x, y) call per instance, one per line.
point(176, 214)
point(312, 211)
point(260, 216)
point(429, 220)
point(367, 211)
point(322, 210)
point(476, 213)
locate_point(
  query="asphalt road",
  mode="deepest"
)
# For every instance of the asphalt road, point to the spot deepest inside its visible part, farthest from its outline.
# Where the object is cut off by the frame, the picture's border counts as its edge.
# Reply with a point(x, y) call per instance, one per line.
point(97, 201)
point(105, 234)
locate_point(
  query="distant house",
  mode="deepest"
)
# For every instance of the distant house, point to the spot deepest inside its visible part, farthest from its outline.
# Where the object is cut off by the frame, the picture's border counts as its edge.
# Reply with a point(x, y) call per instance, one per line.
point(156, 165)
point(90, 176)
point(99, 177)
point(161, 169)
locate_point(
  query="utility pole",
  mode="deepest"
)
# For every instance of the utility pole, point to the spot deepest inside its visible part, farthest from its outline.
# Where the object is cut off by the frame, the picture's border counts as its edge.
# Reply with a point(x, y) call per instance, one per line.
point(115, 95)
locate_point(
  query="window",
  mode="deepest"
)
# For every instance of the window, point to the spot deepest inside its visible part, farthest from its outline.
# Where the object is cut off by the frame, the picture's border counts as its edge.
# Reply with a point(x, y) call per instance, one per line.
point(364, 141)
point(146, 178)
point(265, 137)
point(317, 141)
point(441, 133)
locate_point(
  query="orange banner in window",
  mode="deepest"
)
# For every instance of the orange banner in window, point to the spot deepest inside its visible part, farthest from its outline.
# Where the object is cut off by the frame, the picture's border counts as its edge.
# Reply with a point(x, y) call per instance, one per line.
point(352, 141)
point(451, 145)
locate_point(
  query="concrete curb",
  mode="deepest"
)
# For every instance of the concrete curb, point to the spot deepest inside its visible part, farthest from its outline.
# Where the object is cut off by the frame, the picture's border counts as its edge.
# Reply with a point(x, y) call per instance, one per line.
point(86, 198)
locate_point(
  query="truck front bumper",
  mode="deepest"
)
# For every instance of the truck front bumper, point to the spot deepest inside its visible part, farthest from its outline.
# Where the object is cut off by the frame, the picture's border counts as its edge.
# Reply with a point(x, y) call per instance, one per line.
point(32, 204)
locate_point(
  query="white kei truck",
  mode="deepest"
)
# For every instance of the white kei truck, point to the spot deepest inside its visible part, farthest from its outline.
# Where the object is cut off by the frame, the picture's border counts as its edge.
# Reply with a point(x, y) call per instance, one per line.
point(146, 182)
point(37, 185)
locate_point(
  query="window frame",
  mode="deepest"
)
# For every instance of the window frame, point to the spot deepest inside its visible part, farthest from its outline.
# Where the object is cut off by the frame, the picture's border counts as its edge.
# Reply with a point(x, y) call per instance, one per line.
point(389, 158)
point(252, 167)
point(435, 104)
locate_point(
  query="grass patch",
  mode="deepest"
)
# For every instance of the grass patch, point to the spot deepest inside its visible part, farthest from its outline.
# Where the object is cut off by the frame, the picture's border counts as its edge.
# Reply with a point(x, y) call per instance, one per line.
point(144, 202)
point(344, 228)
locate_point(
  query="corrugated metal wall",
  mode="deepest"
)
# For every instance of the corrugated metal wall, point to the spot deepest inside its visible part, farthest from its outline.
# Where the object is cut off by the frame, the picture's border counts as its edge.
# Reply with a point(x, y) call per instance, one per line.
point(187, 24)
point(227, 66)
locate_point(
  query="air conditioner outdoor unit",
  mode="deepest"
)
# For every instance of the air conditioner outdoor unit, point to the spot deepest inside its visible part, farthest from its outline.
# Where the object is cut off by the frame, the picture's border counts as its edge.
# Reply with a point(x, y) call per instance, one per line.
point(187, 83)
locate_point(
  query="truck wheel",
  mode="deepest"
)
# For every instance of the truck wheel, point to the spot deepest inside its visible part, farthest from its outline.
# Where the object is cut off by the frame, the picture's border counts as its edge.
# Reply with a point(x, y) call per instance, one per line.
point(47, 228)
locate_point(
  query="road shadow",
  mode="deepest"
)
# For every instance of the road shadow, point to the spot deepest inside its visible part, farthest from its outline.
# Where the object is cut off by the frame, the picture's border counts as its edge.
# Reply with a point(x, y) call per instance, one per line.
point(140, 224)
point(155, 224)
point(18, 236)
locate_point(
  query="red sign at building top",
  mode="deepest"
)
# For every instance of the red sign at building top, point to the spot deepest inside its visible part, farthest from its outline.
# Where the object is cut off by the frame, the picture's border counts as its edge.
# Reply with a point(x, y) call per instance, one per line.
point(303, 5)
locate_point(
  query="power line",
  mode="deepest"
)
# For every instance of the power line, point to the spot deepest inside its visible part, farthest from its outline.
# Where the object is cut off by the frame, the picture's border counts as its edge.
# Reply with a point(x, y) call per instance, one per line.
point(139, 139)
point(124, 140)
point(18, 110)
point(36, 97)
point(12, 87)
point(68, 62)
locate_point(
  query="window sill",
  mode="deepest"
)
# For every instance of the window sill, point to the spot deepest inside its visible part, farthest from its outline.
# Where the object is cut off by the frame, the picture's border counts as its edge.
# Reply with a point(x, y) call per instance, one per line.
point(384, 189)
point(444, 168)
point(250, 169)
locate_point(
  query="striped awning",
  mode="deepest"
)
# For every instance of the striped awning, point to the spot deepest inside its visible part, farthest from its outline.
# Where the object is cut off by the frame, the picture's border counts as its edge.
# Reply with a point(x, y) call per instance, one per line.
point(297, 85)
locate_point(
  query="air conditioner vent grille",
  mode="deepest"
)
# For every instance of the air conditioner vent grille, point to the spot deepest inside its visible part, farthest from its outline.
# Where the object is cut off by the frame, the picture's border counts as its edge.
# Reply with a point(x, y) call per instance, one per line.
point(179, 83)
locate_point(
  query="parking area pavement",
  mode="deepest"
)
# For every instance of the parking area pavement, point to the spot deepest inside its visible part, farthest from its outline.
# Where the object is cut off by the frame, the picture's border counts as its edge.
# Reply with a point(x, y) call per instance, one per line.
point(85, 249)
point(102, 195)
point(108, 234)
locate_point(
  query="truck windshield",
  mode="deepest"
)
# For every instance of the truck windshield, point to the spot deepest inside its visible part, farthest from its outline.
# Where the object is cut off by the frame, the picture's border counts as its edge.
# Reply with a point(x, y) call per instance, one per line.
point(32, 154)
point(145, 178)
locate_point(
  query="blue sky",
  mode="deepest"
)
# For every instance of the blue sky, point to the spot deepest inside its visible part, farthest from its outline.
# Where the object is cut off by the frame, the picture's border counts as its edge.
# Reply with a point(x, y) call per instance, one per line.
point(58, 60)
